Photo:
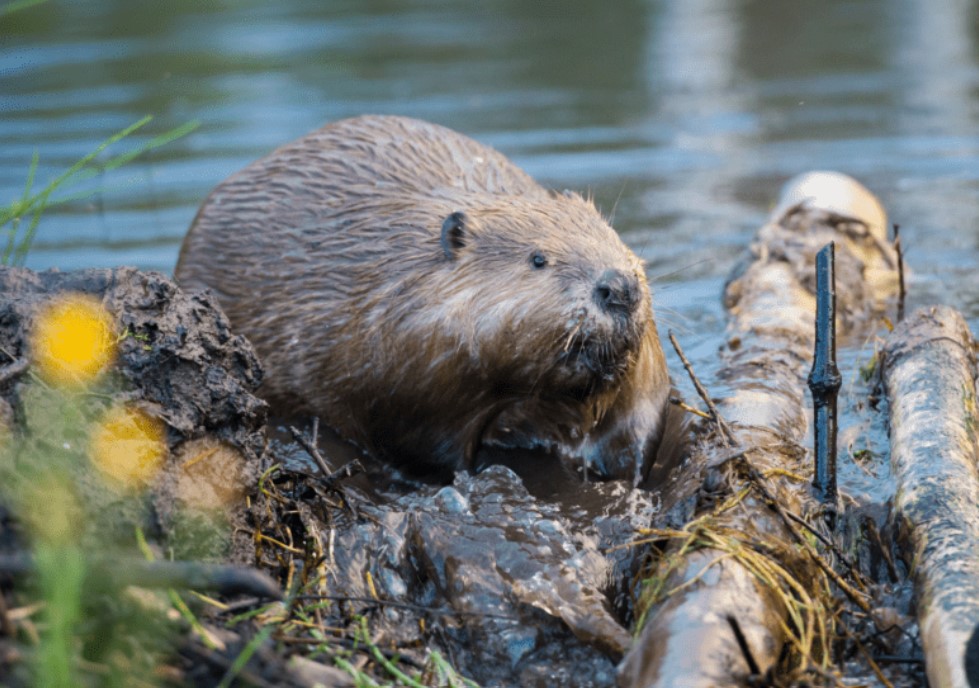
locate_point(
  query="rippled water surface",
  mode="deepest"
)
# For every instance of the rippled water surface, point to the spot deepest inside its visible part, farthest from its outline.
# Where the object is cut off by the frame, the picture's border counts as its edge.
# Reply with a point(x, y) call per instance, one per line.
point(682, 118)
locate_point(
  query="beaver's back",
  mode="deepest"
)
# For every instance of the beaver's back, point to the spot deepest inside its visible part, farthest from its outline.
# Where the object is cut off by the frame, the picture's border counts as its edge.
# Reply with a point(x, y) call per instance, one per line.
point(357, 190)
point(371, 166)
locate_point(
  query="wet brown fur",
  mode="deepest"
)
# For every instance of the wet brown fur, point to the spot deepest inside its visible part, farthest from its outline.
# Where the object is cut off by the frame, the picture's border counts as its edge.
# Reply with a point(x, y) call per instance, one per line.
point(326, 254)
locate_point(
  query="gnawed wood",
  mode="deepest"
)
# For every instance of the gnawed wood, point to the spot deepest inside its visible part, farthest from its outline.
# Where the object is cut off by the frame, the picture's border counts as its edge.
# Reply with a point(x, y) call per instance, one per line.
point(687, 638)
point(929, 374)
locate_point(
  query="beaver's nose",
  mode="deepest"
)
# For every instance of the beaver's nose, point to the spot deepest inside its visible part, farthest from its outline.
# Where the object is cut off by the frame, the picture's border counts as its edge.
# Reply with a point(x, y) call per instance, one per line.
point(617, 292)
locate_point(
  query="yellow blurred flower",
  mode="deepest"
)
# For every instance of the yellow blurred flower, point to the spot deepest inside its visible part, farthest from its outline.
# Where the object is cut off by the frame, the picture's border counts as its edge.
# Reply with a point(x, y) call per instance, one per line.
point(128, 446)
point(73, 340)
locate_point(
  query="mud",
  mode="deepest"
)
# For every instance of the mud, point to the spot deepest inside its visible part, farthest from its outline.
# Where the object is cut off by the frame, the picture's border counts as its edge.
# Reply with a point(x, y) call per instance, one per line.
point(516, 579)
point(516, 590)
point(176, 351)
point(177, 360)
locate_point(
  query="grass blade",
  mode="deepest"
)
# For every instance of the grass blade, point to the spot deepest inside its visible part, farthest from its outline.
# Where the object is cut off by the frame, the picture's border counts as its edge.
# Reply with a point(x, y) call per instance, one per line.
point(18, 5)
point(18, 243)
point(154, 142)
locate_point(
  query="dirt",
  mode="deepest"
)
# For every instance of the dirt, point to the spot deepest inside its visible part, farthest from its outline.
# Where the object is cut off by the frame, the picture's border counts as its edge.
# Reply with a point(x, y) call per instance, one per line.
point(176, 351)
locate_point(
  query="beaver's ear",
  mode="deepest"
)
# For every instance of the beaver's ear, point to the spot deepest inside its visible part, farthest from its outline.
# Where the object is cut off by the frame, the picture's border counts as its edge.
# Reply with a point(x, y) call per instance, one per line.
point(453, 234)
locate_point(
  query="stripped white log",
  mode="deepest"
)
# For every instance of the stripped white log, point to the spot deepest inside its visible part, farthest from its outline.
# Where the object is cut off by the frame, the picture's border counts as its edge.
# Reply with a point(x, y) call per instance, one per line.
point(929, 371)
point(686, 640)
point(696, 639)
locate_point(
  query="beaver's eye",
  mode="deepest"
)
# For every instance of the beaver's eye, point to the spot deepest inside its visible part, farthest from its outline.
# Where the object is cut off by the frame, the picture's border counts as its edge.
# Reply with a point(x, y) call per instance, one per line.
point(539, 260)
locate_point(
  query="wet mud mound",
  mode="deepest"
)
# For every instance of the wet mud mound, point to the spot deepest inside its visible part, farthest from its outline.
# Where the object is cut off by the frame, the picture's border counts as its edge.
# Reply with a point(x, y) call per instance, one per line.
point(176, 351)
point(176, 362)
point(512, 589)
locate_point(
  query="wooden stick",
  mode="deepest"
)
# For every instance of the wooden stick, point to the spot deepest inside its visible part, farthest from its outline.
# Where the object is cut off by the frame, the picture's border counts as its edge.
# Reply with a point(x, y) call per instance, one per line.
point(676, 401)
point(722, 426)
point(310, 447)
point(192, 575)
point(900, 272)
point(825, 379)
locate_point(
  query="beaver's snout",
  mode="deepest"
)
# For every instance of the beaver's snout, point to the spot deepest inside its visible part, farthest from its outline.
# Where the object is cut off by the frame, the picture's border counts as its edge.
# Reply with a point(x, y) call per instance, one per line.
point(617, 293)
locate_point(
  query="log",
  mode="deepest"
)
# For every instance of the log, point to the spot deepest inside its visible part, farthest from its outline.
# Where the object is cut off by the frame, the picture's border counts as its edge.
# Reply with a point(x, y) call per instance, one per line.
point(688, 637)
point(929, 377)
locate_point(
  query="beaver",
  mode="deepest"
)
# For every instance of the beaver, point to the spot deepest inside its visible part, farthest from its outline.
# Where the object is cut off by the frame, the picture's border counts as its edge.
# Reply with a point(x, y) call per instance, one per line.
point(426, 298)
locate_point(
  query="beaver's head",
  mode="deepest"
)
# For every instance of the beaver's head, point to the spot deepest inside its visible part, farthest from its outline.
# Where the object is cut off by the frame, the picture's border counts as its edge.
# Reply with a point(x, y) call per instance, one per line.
point(544, 293)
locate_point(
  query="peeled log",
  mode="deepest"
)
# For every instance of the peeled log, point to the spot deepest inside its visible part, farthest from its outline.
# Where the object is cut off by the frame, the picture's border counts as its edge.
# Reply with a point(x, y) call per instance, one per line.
point(929, 371)
point(687, 640)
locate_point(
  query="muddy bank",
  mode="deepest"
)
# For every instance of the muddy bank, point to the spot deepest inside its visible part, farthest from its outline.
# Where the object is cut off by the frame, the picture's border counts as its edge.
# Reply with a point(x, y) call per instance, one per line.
point(102, 468)
point(514, 590)
point(510, 587)
point(176, 360)
point(176, 352)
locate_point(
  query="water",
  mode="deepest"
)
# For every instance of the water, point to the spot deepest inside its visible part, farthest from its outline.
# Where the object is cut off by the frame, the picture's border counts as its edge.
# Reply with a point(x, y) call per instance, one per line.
point(682, 118)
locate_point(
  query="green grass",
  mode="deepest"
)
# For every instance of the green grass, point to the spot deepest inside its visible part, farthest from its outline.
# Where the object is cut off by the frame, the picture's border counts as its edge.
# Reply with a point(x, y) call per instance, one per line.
point(61, 574)
point(20, 219)
point(85, 635)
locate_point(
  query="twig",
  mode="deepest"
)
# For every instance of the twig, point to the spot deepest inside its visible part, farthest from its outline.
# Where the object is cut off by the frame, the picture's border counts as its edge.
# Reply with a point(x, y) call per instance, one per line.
point(222, 578)
point(676, 401)
point(900, 272)
point(247, 603)
point(828, 543)
point(329, 477)
point(753, 668)
point(722, 426)
point(311, 448)
point(345, 471)
point(225, 579)
point(870, 660)
point(884, 551)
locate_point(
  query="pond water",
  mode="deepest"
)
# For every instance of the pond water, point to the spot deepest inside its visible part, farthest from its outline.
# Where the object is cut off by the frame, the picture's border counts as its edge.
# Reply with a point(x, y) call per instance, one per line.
point(681, 118)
